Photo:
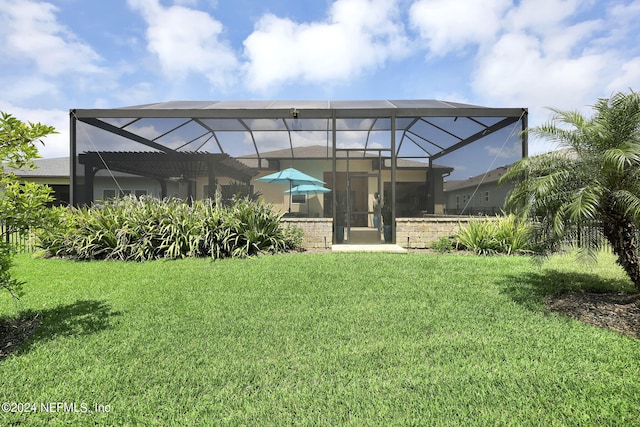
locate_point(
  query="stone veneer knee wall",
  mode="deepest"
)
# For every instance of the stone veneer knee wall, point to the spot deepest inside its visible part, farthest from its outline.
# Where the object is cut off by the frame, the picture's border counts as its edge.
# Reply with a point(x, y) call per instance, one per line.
point(421, 232)
point(318, 232)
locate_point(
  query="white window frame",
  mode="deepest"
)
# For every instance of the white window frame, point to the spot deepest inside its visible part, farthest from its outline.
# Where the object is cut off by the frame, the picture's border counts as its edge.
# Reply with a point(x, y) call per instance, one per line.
point(299, 199)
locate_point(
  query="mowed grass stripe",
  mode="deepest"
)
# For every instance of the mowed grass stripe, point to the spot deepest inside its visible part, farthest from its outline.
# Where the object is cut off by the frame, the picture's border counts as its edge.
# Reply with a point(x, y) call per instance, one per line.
point(334, 339)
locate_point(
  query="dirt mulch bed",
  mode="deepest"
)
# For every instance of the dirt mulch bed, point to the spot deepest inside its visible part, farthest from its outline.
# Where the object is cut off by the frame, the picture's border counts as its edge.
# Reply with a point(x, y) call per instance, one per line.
point(14, 332)
point(619, 312)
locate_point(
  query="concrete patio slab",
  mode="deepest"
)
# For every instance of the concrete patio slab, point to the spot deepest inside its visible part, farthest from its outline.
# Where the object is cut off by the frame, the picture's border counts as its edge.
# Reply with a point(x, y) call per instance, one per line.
point(386, 248)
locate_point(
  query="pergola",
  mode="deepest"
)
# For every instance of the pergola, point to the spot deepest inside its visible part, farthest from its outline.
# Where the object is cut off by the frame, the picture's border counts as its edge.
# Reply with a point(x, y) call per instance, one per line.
point(170, 139)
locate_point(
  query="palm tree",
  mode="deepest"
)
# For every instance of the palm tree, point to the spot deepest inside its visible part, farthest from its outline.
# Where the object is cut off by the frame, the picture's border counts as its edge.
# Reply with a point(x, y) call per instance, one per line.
point(595, 179)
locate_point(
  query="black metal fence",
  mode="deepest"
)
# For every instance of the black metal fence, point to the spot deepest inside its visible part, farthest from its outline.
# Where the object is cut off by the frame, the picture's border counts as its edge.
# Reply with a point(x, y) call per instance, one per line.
point(590, 235)
point(22, 242)
point(581, 235)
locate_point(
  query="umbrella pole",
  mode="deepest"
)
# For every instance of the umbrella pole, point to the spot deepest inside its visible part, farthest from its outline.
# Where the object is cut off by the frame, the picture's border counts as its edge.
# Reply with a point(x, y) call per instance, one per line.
point(290, 195)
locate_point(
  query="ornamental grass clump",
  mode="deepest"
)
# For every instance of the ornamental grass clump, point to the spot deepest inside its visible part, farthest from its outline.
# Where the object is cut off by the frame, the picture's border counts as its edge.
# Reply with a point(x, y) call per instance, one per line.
point(139, 229)
point(505, 234)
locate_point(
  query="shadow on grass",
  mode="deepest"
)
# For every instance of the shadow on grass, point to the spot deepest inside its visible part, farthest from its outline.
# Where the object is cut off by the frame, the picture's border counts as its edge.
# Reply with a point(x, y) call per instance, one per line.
point(18, 334)
point(530, 289)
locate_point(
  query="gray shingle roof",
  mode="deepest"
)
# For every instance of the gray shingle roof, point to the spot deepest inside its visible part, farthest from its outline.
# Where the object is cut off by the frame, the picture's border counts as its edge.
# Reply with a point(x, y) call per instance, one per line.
point(45, 168)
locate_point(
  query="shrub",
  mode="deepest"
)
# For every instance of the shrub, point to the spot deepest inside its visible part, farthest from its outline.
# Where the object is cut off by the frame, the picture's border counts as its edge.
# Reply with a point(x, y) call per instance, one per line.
point(504, 234)
point(7, 281)
point(146, 228)
point(444, 244)
point(22, 204)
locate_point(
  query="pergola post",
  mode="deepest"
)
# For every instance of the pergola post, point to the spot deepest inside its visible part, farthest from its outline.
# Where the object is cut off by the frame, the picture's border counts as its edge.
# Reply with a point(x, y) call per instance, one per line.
point(89, 174)
point(163, 189)
point(212, 187)
point(431, 188)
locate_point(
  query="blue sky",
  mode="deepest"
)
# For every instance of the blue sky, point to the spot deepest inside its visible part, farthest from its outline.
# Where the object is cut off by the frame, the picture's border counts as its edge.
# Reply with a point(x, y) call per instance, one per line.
point(61, 54)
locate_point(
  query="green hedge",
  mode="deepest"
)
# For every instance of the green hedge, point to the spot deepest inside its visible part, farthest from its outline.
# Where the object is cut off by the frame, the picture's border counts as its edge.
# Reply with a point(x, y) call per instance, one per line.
point(145, 228)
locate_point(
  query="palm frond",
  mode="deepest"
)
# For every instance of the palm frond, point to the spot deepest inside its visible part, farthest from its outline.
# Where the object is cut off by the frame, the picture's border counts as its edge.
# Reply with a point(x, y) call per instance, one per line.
point(622, 157)
point(630, 202)
point(584, 204)
point(566, 129)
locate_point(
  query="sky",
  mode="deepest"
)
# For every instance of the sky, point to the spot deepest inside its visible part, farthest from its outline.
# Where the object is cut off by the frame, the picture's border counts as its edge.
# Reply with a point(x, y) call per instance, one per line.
point(59, 55)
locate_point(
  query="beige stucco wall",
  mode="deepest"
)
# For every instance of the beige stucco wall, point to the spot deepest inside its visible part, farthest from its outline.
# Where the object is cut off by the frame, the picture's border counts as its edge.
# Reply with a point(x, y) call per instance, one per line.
point(321, 169)
point(274, 193)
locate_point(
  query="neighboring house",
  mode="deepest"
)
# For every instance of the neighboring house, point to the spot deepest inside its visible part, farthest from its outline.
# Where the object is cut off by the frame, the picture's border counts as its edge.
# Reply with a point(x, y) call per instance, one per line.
point(55, 173)
point(477, 195)
point(52, 172)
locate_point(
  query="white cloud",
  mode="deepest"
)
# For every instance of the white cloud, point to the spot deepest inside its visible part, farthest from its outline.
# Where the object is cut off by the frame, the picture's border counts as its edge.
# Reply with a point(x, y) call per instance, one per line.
point(540, 16)
point(536, 53)
point(24, 88)
point(451, 25)
point(30, 33)
point(358, 35)
point(628, 77)
point(545, 56)
point(187, 41)
point(510, 149)
point(517, 70)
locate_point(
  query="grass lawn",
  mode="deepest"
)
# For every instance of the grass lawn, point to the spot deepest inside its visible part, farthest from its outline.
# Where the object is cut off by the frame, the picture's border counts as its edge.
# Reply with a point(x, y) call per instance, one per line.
point(326, 339)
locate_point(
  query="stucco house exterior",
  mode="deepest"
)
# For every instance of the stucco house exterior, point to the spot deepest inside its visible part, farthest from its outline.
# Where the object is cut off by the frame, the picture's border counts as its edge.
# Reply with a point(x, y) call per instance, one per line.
point(368, 175)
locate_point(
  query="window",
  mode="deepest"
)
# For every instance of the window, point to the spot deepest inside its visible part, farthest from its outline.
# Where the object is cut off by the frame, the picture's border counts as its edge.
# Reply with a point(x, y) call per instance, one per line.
point(139, 193)
point(108, 194)
point(299, 198)
point(486, 196)
point(457, 202)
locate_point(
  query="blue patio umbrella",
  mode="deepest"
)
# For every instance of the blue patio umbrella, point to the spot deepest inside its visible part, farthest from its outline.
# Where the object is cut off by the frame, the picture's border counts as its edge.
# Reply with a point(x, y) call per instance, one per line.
point(307, 189)
point(290, 176)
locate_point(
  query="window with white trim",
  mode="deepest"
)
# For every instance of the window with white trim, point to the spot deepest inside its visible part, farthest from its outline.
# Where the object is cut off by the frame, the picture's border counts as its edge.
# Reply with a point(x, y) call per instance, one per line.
point(299, 199)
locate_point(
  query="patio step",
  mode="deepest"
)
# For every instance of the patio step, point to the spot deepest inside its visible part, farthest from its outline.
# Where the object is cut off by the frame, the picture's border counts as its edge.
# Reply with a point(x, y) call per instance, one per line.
point(364, 235)
point(386, 248)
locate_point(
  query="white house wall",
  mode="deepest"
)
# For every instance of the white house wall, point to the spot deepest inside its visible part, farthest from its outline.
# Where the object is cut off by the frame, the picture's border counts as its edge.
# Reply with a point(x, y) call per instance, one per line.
point(151, 186)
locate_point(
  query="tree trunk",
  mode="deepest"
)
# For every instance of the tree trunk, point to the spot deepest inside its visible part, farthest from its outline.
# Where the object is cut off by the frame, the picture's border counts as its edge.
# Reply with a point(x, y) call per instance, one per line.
point(621, 233)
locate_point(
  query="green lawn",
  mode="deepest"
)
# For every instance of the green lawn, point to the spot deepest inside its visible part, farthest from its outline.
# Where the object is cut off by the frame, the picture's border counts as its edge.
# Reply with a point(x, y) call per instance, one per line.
point(326, 339)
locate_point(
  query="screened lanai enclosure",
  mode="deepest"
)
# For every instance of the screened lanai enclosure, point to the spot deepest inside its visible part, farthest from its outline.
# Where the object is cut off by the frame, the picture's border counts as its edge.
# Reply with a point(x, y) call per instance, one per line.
point(381, 160)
